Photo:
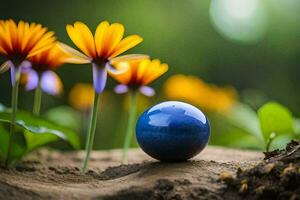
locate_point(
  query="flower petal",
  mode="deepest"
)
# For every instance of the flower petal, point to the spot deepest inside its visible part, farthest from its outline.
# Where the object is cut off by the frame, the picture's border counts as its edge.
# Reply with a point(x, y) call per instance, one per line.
point(35, 34)
point(75, 56)
point(111, 39)
point(123, 77)
point(127, 66)
point(129, 57)
point(26, 36)
point(82, 37)
point(87, 37)
point(45, 42)
point(99, 35)
point(142, 70)
point(15, 73)
point(147, 91)
point(13, 32)
point(99, 78)
point(44, 48)
point(76, 39)
point(5, 37)
point(25, 65)
point(155, 71)
point(122, 68)
point(121, 89)
point(125, 44)
point(30, 78)
point(51, 83)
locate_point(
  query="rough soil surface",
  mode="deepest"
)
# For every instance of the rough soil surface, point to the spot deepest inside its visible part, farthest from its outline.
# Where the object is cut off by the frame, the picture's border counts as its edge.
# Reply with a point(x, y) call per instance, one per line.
point(53, 175)
point(278, 177)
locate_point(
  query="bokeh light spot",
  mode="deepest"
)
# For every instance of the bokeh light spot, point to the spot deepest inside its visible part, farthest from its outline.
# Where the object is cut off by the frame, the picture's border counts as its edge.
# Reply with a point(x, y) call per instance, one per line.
point(243, 21)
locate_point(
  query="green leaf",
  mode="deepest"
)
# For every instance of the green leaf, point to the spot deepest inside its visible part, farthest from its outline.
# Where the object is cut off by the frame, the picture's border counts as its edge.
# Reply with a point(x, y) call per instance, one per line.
point(297, 125)
point(275, 118)
point(281, 141)
point(38, 132)
point(65, 116)
point(226, 133)
point(244, 117)
point(19, 143)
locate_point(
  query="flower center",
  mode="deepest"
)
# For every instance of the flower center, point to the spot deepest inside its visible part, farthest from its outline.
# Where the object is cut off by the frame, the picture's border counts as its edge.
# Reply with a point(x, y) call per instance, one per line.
point(100, 61)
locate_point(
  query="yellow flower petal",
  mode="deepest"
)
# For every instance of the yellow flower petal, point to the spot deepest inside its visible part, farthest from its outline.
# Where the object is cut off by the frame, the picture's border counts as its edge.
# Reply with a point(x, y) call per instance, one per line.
point(107, 42)
point(148, 69)
point(75, 56)
point(124, 77)
point(142, 69)
point(126, 64)
point(129, 57)
point(75, 60)
point(87, 37)
point(5, 41)
point(36, 33)
point(79, 40)
point(75, 38)
point(20, 33)
point(46, 41)
point(125, 44)
point(26, 36)
point(155, 72)
point(111, 39)
point(140, 72)
point(12, 28)
point(17, 41)
point(99, 35)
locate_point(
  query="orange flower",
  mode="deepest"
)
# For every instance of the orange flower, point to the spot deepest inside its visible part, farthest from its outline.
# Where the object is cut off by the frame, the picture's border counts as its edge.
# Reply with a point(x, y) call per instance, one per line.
point(49, 59)
point(139, 73)
point(81, 96)
point(194, 90)
point(21, 41)
point(42, 65)
point(107, 42)
point(18, 42)
point(99, 49)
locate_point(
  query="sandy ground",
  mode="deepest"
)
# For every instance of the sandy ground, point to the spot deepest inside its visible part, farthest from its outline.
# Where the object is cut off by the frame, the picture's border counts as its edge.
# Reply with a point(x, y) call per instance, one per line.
point(53, 175)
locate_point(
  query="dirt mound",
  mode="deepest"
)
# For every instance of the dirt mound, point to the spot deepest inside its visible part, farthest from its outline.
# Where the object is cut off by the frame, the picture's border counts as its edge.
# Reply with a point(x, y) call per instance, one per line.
point(278, 177)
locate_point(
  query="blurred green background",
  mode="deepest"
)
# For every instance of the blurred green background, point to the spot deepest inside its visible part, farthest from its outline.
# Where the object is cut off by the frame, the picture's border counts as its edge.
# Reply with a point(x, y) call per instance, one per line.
point(252, 45)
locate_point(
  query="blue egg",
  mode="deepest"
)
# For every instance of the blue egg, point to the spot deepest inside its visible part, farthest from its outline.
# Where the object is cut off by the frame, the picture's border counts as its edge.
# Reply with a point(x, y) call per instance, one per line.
point(172, 131)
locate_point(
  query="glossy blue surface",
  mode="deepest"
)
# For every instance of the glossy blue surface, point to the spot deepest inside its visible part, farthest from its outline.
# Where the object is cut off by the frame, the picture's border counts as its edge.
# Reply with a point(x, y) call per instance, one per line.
point(172, 131)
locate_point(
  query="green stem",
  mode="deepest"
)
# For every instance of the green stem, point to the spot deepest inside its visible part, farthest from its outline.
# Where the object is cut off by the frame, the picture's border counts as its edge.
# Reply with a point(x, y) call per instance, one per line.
point(268, 145)
point(37, 98)
point(130, 125)
point(91, 132)
point(14, 107)
point(271, 138)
